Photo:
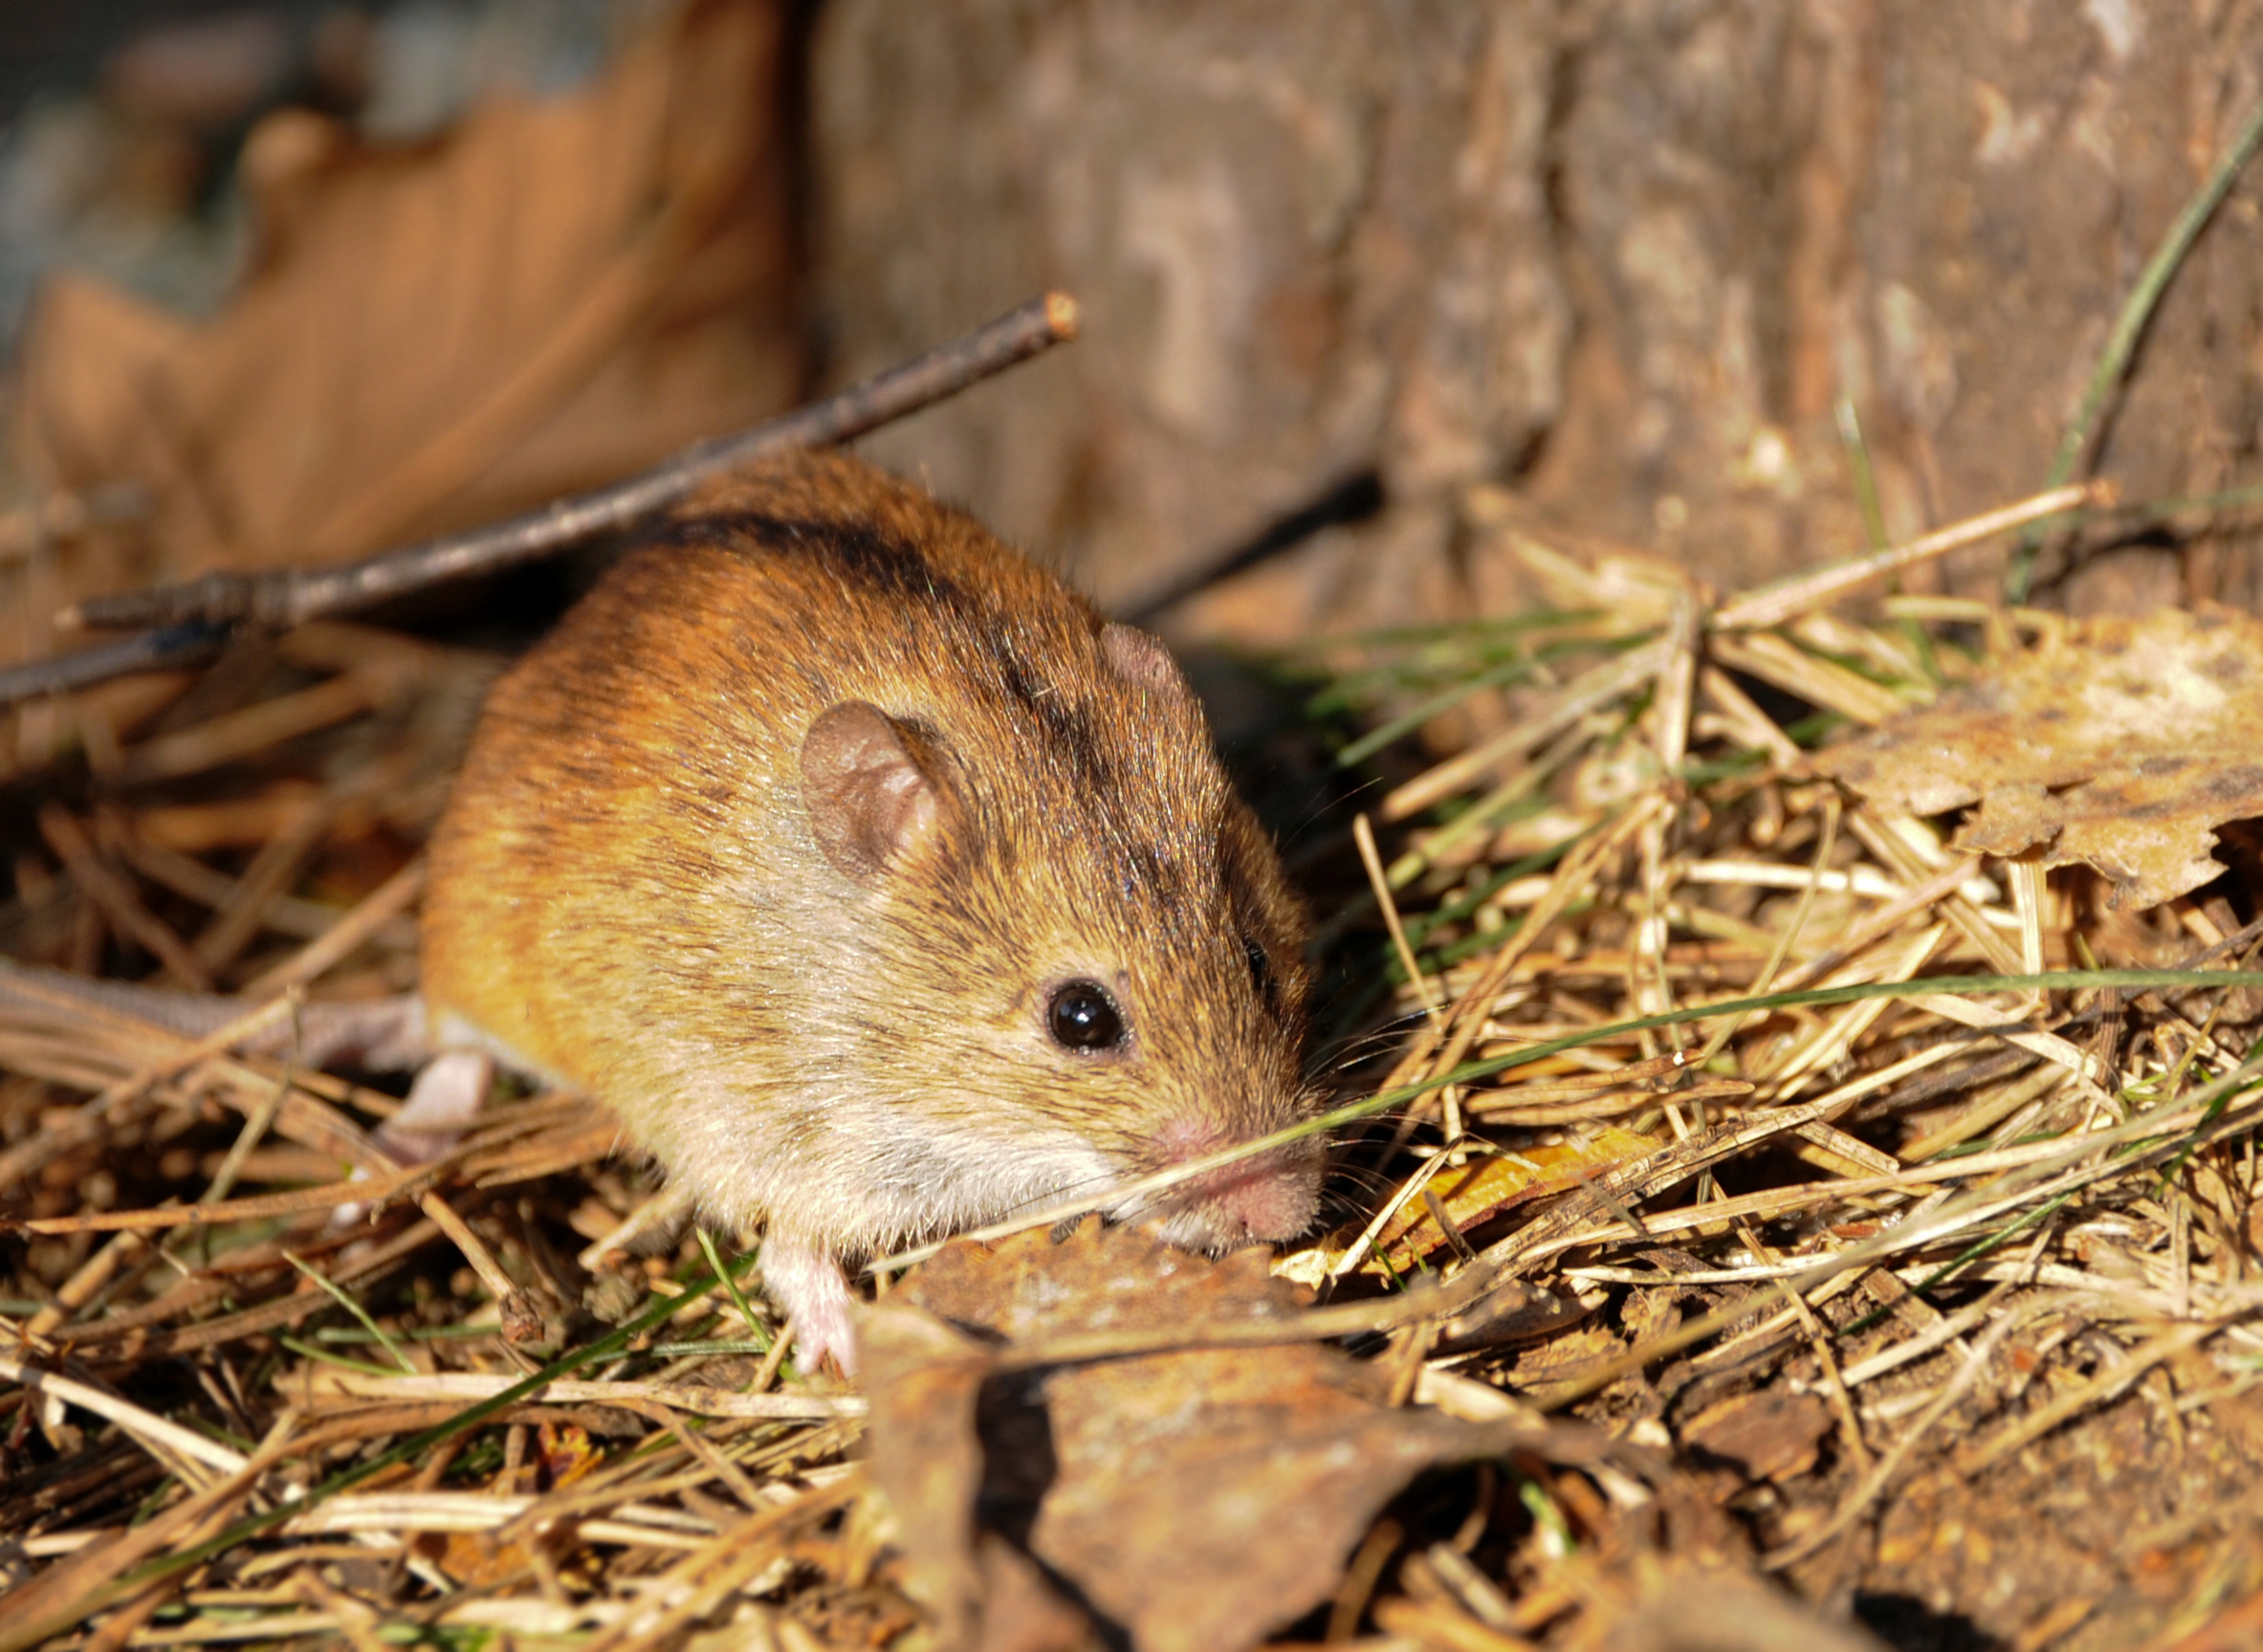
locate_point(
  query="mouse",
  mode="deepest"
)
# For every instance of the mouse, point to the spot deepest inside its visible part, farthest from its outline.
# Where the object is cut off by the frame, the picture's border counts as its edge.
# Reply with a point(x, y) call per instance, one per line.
point(879, 885)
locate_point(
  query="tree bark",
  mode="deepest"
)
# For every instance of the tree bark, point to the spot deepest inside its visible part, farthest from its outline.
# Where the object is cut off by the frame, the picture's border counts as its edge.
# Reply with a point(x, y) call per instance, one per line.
point(1623, 258)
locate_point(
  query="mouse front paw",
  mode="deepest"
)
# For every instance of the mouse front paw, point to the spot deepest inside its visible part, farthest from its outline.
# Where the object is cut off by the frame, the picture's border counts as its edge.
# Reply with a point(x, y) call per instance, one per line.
point(805, 1283)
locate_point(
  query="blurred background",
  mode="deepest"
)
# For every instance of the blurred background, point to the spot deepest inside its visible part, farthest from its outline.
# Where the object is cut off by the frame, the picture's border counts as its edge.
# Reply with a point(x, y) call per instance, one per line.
point(313, 278)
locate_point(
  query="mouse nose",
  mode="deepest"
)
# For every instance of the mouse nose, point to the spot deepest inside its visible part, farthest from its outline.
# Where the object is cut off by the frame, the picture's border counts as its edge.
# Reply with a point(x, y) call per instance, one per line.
point(1269, 1197)
point(1272, 1201)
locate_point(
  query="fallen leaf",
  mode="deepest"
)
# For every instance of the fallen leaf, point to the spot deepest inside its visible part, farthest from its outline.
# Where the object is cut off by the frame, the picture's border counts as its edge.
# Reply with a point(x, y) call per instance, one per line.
point(432, 336)
point(1473, 1195)
point(1193, 1499)
point(1674, 1605)
point(1495, 1183)
point(1769, 1434)
point(2115, 743)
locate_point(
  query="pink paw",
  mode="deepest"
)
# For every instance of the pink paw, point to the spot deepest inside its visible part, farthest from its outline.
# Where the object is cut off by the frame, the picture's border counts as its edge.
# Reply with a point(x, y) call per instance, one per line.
point(807, 1284)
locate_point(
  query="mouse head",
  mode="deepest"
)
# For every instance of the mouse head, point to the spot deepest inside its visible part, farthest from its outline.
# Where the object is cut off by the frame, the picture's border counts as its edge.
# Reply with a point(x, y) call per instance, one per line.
point(1087, 936)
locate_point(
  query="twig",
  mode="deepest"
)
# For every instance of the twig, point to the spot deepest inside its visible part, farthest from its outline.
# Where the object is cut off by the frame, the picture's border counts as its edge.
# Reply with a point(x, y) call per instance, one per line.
point(195, 619)
point(369, 915)
point(1773, 604)
point(699, 1401)
point(2170, 1343)
point(2129, 326)
point(1876, 1481)
point(143, 1425)
point(117, 899)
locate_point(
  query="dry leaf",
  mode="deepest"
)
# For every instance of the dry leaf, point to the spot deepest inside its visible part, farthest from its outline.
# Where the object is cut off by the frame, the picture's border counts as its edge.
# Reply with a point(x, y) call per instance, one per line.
point(1769, 1433)
point(2117, 744)
point(1676, 1606)
point(1193, 1499)
point(1488, 1185)
point(432, 336)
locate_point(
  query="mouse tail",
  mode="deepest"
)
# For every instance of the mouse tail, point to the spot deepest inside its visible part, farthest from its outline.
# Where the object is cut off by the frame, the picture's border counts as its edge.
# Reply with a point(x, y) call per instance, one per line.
point(386, 1035)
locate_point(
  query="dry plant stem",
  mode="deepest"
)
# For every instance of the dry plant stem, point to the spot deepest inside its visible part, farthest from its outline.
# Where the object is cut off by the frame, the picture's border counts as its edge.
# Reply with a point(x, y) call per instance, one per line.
point(63, 1596)
point(248, 732)
point(1882, 923)
point(1773, 604)
point(2168, 1345)
point(273, 871)
point(1476, 1007)
point(1876, 1481)
point(1825, 842)
point(1510, 1109)
point(75, 1292)
point(1834, 1384)
point(1411, 1187)
point(1363, 833)
point(2082, 1068)
point(664, 1209)
point(141, 1425)
point(1598, 687)
point(116, 900)
point(1939, 1335)
point(1549, 1234)
point(99, 1113)
point(1360, 1577)
point(1753, 725)
point(198, 617)
point(522, 1323)
point(699, 1401)
point(773, 1361)
point(1835, 1035)
point(1437, 1625)
point(270, 1315)
point(372, 913)
point(264, 1207)
point(255, 1130)
point(1898, 858)
point(703, 1582)
point(302, 920)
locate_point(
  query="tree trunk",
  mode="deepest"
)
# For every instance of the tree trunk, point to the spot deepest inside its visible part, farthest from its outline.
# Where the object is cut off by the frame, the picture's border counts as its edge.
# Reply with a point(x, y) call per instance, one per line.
point(1623, 258)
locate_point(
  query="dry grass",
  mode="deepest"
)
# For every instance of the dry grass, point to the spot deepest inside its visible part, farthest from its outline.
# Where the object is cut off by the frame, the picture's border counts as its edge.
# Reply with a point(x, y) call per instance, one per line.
point(1959, 1208)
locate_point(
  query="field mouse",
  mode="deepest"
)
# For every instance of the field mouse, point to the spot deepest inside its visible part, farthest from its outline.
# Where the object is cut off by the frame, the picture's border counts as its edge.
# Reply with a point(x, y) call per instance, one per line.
point(878, 884)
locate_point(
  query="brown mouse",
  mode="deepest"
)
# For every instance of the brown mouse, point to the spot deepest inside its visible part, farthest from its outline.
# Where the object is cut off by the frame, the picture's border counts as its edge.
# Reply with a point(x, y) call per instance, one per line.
point(878, 884)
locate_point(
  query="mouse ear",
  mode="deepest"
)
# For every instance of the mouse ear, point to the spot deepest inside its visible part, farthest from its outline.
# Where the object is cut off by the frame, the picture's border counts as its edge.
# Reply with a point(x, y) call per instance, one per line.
point(868, 799)
point(1142, 660)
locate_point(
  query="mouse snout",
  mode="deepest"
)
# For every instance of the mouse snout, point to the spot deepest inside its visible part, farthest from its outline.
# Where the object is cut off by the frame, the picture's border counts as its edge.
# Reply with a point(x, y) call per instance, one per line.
point(1271, 1196)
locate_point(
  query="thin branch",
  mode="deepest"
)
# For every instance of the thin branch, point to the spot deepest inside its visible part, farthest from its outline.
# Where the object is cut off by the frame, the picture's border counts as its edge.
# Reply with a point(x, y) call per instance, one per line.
point(2129, 326)
point(195, 619)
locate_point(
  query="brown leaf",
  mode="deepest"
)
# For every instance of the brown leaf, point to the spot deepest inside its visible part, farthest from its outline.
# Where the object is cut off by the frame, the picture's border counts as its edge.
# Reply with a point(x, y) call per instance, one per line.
point(2114, 742)
point(1491, 1184)
point(432, 336)
point(1196, 1499)
point(1770, 1434)
point(1676, 1606)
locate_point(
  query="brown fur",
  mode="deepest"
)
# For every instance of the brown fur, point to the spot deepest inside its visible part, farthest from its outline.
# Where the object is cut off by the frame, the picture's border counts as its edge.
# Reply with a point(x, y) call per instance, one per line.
point(627, 891)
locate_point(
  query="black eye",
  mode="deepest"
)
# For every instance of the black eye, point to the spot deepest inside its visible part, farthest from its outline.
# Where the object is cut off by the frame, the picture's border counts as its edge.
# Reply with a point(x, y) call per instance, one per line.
point(1082, 1016)
point(1260, 969)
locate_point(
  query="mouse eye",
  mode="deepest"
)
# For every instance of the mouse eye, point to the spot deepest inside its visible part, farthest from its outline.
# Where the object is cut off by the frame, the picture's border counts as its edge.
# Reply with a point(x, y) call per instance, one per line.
point(1083, 1017)
point(1260, 969)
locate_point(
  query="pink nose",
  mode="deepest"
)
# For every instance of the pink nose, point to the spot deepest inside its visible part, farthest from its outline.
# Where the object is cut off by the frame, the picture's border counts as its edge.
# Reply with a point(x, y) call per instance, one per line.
point(1273, 1196)
point(1267, 1200)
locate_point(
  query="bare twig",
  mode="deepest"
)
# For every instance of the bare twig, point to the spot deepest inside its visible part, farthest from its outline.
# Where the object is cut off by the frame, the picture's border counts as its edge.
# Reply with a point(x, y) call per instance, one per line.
point(194, 621)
